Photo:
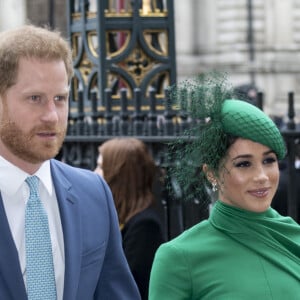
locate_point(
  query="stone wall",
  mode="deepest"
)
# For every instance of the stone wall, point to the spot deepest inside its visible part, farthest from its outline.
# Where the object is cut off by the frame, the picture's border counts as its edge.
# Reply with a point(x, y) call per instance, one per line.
point(39, 13)
point(12, 13)
point(213, 34)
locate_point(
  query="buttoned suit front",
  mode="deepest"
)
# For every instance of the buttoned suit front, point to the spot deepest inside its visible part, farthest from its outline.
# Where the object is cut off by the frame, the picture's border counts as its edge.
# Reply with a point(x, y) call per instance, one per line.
point(95, 266)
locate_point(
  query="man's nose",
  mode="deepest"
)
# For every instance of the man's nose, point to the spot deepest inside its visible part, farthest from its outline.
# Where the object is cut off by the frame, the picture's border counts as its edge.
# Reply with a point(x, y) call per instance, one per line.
point(50, 113)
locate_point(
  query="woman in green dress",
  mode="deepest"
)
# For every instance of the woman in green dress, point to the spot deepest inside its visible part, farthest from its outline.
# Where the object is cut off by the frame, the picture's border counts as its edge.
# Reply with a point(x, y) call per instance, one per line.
point(245, 249)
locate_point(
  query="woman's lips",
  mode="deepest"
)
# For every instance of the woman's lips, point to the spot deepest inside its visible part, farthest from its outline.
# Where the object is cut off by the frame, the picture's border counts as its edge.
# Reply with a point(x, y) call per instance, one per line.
point(260, 193)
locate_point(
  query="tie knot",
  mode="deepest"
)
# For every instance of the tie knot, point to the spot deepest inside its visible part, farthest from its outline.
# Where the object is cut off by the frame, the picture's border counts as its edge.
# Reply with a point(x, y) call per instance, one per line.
point(33, 182)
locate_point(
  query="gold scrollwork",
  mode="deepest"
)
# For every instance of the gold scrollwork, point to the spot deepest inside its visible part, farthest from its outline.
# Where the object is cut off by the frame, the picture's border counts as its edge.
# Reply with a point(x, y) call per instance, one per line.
point(159, 82)
point(85, 67)
point(150, 9)
point(116, 82)
point(116, 42)
point(157, 41)
point(117, 8)
point(76, 16)
point(91, 15)
point(93, 42)
point(76, 41)
point(137, 64)
point(121, 14)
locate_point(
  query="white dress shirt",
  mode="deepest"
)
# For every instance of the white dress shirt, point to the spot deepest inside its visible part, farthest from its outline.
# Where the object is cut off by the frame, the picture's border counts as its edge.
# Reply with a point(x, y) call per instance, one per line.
point(15, 193)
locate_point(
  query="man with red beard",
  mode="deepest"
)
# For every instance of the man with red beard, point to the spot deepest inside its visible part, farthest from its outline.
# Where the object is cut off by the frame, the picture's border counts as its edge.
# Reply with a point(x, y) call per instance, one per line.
point(87, 260)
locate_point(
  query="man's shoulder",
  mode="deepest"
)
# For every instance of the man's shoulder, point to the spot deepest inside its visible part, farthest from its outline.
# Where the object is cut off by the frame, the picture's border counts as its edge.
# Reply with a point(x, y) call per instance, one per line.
point(79, 180)
point(66, 168)
point(72, 173)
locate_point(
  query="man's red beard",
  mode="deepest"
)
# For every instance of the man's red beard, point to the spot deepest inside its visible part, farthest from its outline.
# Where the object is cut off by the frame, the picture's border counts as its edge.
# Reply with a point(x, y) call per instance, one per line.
point(26, 147)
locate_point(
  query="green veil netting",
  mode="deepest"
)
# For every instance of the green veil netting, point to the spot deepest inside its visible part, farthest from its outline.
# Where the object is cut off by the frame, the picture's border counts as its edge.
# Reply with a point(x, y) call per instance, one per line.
point(212, 125)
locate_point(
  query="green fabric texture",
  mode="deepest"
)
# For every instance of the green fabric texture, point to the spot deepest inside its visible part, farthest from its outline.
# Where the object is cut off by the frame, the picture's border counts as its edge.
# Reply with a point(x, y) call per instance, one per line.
point(234, 255)
point(245, 120)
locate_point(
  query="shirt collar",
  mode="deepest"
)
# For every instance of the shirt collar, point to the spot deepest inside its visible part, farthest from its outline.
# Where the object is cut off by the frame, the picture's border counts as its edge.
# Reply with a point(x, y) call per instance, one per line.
point(44, 174)
point(12, 177)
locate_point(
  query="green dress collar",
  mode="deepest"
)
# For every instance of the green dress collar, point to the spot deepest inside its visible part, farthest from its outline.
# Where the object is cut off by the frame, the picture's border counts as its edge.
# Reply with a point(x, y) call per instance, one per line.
point(270, 235)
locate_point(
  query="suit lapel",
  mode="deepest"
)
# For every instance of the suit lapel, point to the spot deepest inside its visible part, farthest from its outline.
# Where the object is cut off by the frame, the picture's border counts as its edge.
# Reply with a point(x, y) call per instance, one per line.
point(10, 269)
point(70, 219)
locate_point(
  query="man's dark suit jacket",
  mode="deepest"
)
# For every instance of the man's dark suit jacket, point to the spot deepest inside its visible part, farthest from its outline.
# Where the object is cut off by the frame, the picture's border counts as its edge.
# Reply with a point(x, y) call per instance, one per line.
point(95, 266)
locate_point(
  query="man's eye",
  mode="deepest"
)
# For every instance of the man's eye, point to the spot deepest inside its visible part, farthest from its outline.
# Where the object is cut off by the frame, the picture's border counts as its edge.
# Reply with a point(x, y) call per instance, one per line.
point(60, 98)
point(35, 98)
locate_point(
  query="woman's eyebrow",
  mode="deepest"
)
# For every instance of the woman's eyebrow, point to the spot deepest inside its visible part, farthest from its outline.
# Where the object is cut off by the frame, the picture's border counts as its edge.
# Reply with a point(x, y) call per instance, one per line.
point(242, 156)
point(250, 155)
point(269, 152)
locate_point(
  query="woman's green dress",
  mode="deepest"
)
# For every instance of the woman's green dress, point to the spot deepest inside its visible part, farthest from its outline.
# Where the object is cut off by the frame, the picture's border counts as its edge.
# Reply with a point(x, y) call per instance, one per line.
point(234, 255)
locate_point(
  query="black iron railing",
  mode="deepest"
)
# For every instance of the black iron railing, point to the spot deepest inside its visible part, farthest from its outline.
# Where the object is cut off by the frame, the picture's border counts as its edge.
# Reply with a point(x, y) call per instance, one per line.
point(88, 128)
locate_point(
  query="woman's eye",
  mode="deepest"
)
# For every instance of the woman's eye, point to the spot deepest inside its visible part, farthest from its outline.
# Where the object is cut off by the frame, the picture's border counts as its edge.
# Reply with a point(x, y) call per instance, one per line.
point(242, 164)
point(270, 160)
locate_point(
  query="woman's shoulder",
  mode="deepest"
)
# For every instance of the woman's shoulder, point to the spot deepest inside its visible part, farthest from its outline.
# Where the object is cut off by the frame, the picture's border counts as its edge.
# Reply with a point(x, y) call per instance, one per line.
point(200, 236)
point(200, 229)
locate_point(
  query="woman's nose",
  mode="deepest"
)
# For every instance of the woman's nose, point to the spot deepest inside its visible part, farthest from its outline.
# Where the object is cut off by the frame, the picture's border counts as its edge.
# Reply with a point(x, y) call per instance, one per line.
point(261, 174)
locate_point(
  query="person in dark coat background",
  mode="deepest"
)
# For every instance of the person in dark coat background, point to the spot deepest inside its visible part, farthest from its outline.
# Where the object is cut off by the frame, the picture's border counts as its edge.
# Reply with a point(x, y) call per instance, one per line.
point(130, 171)
point(280, 200)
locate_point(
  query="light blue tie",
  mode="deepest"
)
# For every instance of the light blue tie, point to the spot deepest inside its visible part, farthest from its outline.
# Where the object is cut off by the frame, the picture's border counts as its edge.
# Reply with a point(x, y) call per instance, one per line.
point(39, 262)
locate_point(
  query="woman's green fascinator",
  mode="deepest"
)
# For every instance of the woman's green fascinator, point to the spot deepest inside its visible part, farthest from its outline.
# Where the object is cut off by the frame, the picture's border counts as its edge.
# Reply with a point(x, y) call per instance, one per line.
point(245, 120)
point(215, 117)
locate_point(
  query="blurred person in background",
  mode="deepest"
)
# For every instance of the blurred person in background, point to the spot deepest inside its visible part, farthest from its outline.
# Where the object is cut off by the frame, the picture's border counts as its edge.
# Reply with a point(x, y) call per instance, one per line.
point(130, 171)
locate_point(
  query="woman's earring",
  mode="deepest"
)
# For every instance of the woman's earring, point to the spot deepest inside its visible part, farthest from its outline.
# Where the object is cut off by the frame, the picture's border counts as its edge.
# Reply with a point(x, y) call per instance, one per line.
point(214, 186)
